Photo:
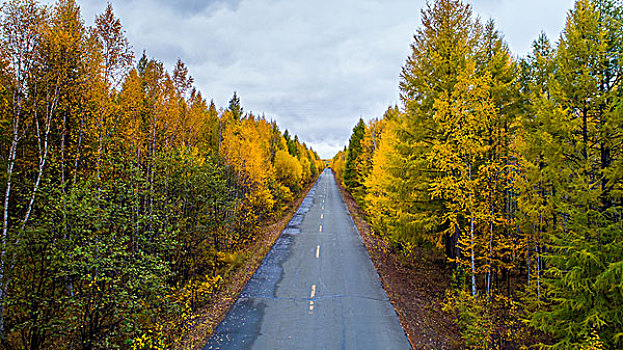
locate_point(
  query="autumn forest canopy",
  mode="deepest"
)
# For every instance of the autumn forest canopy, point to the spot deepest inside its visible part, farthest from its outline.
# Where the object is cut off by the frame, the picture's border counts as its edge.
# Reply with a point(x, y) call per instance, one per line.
point(126, 194)
point(129, 198)
point(510, 170)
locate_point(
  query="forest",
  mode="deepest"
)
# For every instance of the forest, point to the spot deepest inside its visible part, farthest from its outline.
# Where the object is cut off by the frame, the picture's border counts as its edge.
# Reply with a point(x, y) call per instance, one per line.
point(510, 171)
point(126, 194)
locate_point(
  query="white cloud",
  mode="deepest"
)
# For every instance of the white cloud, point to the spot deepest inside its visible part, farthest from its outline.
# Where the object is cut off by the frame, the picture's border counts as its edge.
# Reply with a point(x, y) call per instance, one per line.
point(313, 66)
point(522, 21)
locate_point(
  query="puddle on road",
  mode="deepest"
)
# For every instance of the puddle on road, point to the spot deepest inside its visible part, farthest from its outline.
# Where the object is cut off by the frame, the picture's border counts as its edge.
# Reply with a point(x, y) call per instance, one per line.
point(265, 279)
point(291, 231)
point(307, 202)
point(294, 226)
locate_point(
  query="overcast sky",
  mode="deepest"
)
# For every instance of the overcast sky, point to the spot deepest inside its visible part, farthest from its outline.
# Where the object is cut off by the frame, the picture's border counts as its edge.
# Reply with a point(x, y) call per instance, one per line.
point(314, 66)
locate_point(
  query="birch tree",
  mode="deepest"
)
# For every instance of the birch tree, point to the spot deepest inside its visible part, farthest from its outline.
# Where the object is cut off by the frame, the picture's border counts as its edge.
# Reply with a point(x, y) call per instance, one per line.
point(21, 36)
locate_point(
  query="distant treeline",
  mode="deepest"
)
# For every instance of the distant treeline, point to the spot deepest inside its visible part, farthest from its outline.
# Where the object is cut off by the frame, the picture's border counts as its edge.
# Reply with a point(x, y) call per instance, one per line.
point(125, 193)
point(510, 168)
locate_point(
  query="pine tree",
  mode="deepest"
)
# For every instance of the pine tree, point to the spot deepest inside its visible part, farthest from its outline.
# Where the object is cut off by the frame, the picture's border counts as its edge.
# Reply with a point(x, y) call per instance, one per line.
point(352, 179)
point(499, 165)
point(535, 186)
point(380, 183)
point(441, 52)
point(235, 108)
point(582, 297)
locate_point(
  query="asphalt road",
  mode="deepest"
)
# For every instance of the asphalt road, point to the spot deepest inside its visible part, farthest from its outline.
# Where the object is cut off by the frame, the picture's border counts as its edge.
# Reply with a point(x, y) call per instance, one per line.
point(316, 289)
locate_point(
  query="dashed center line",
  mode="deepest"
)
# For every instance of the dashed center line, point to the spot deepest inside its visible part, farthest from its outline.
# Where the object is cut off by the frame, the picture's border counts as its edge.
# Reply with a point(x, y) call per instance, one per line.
point(317, 251)
point(311, 296)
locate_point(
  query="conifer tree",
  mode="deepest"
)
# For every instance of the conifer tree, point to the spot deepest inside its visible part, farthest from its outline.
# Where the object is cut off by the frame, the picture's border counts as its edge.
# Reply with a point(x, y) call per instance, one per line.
point(499, 166)
point(535, 186)
point(352, 179)
point(583, 301)
point(441, 52)
point(380, 183)
point(235, 108)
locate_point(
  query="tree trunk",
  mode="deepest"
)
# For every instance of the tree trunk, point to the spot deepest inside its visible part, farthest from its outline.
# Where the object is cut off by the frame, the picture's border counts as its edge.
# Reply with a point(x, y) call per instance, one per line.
point(471, 236)
point(43, 153)
point(17, 110)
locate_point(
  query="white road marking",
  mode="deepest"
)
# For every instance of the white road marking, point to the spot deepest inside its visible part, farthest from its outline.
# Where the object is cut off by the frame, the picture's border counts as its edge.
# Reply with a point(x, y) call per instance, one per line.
point(317, 251)
point(311, 296)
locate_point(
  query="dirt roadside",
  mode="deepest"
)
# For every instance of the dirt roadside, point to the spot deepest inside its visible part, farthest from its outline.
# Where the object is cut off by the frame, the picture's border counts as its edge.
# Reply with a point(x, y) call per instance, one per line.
point(415, 286)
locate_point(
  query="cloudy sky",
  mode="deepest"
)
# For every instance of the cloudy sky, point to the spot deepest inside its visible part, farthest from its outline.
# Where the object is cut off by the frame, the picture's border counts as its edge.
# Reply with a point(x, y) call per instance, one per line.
point(314, 66)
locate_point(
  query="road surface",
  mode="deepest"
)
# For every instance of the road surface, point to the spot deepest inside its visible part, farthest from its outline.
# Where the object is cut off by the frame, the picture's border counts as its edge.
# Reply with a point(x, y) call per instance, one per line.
point(316, 289)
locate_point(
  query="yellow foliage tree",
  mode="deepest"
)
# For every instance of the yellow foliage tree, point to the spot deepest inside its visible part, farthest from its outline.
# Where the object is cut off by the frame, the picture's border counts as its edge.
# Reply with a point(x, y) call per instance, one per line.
point(380, 182)
point(290, 170)
point(306, 169)
point(245, 149)
point(337, 165)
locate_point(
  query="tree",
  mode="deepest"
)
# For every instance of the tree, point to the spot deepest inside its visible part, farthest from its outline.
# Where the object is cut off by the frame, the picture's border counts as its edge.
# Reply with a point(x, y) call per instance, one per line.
point(126, 195)
point(441, 54)
point(290, 170)
point(235, 108)
point(535, 200)
point(351, 177)
point(582, 299)
point(381, 184)
point(21, 34)
point(114, 59)
point(513, 168)
point(337, 165)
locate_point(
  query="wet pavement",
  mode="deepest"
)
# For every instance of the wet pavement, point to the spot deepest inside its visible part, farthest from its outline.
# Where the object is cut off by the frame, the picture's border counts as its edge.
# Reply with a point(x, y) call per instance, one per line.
point(316, 289)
